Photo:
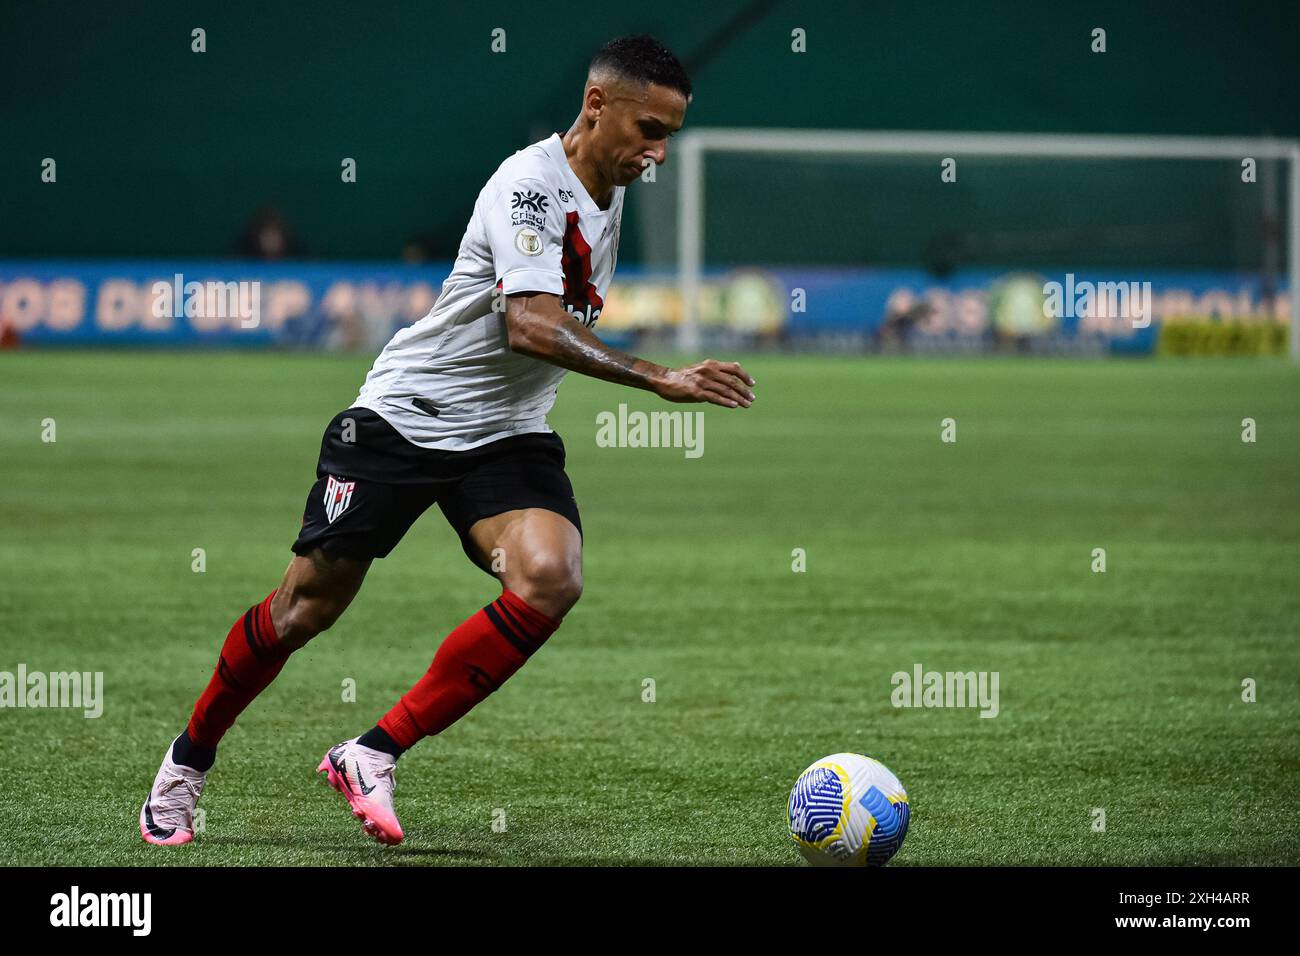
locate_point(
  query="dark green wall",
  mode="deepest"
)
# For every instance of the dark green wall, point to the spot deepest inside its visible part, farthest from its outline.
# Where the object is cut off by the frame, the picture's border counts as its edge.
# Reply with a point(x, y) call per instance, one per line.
point(164, 152)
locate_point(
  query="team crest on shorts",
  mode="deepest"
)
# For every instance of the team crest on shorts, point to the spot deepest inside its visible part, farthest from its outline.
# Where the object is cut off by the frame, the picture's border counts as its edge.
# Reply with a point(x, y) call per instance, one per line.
point(338, 495)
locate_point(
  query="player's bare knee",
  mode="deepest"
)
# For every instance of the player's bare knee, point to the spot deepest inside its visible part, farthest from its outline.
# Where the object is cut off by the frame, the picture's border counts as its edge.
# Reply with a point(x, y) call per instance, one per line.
point(566, 593)
point(552, 583)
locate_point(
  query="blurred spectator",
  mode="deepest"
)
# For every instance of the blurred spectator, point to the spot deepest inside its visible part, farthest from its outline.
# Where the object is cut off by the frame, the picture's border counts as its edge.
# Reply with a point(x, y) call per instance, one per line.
point(269, 237)
point(417, 250)
point(895, 332)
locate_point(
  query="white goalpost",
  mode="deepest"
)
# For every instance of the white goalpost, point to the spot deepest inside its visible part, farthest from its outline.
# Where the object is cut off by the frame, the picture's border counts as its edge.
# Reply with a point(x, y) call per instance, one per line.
point(696, 145)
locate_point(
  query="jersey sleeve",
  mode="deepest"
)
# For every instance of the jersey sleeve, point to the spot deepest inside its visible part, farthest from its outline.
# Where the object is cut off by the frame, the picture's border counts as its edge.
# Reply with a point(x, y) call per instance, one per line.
point(525, 229)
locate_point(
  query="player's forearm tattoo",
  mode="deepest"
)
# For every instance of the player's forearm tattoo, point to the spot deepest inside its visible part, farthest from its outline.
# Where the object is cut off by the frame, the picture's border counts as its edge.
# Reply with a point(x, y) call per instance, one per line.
point(571, 345)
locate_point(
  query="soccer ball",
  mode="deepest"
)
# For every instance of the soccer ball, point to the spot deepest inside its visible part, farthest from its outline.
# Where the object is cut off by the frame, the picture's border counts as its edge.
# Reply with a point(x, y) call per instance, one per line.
point(848, 810)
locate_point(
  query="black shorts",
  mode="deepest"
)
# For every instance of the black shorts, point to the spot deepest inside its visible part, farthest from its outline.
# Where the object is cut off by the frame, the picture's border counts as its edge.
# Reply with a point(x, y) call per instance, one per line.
point(371, 489)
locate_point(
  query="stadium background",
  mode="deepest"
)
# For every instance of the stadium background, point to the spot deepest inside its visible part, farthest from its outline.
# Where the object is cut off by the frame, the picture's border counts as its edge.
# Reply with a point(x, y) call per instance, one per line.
point(175, 155)
point(1122, 690)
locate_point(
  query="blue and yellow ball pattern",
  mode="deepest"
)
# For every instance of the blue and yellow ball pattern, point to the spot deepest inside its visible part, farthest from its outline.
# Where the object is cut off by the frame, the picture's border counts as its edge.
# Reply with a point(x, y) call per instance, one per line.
point(848, 810)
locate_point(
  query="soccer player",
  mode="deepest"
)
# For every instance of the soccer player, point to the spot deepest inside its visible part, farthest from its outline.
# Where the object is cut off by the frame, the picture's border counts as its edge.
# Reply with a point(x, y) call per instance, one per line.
point(454, 413)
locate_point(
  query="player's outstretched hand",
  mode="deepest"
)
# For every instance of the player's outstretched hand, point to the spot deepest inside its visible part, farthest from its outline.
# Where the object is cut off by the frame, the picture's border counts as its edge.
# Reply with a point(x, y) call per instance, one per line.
point(722, 383)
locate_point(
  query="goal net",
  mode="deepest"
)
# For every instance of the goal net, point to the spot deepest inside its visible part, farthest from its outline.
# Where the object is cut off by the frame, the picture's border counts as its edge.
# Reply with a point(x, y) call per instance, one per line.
point(967, 241)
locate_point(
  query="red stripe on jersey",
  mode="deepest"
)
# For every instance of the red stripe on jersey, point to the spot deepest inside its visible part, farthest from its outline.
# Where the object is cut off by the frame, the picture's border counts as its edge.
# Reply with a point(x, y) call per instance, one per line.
point(576, 263)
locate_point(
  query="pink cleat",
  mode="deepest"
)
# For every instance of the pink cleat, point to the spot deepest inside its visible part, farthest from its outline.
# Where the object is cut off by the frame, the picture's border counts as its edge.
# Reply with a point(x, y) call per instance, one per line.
point(365, 777)
point(167, 817)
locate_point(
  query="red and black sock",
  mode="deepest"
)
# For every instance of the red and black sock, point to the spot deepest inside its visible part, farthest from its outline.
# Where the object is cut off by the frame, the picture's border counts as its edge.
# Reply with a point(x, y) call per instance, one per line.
point(250, 659)
point(476, 658)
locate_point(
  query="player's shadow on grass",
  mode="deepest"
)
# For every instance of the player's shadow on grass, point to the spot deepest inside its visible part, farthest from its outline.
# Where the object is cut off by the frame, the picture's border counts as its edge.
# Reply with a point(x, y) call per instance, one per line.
point(372, 855)
point(362, 853)
point(613, 861)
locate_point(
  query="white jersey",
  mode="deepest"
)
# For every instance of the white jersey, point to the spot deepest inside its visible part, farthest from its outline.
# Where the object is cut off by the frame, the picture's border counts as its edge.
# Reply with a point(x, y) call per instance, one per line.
point(450, 381)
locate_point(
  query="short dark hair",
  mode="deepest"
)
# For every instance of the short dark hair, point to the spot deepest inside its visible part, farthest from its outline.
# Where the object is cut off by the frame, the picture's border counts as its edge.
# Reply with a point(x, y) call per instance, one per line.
point(643, 59)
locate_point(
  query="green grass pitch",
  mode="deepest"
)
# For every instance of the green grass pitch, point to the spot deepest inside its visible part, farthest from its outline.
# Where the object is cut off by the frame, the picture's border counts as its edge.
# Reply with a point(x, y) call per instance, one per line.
point(1119, 690)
